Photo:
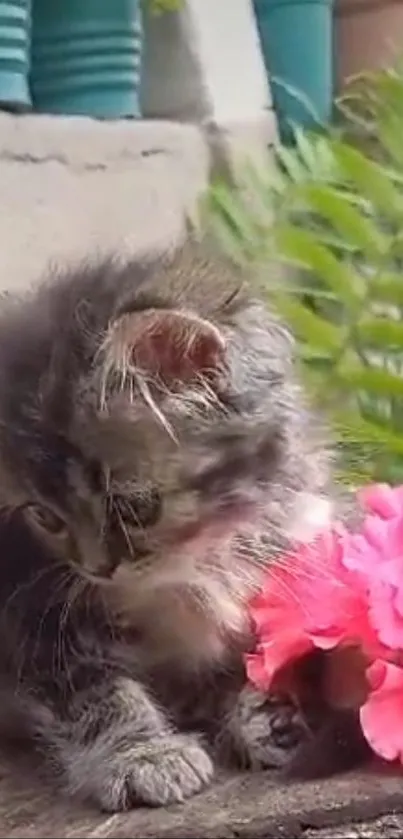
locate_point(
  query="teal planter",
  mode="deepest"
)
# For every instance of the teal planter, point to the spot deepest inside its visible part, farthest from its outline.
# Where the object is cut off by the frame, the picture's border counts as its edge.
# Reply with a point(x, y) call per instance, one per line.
point(297, 44)
point(15, 40)
point(86, 57)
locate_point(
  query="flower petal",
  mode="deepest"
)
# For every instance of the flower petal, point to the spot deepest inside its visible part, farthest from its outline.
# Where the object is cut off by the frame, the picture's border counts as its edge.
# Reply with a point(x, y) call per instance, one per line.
point(269, 658)
point(382, 714)
point(256, 672)
point(382, 500)
point(383, 615)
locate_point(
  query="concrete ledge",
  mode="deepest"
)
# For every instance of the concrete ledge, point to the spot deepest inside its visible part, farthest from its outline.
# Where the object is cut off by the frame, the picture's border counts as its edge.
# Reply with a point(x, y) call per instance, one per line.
point(72, 186)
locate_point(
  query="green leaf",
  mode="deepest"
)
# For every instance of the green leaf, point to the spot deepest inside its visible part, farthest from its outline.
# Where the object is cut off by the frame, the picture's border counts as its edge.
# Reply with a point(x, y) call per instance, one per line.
point(371, 180)
point(332, 206)
point(234, 225)
point(371, 380)
point(390, 134)
point(353, 428)
point(229, 242)
point(265, 183)
point(381, 332)
point(230, 208)
point(291, 163)
point(333, 241)
point(308, 150)
point(387, 91)
point(387, 287)
point(317, 332)
point(303, 248)
point(158, 7)
point(303, 289)
point(357, 229)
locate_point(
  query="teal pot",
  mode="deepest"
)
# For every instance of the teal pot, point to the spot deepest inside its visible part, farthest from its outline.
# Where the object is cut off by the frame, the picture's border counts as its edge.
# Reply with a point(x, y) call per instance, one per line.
point(297, 45)
point(15, 40)
point(86, 57)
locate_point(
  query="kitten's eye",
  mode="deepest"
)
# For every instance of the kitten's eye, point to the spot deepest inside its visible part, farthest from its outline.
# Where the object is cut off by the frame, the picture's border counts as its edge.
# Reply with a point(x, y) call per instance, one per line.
point(46, 519)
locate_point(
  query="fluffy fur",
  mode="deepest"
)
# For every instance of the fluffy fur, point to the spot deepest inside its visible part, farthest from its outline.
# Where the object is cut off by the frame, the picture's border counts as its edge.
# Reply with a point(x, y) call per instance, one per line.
point(155, 454)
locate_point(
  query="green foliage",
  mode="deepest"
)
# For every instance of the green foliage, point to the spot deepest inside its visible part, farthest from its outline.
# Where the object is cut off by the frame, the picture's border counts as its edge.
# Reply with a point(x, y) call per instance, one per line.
point(321, 228)
point(157, 7)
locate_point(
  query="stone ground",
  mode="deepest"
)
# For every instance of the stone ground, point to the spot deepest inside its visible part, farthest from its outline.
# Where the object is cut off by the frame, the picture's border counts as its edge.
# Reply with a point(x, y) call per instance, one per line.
point(386, 826)
point(69, 189)
point(363, 804)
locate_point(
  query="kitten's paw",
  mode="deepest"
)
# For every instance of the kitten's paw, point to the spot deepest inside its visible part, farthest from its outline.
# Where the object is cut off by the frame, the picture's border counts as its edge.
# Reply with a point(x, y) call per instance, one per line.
point(163, 771)
point(264, 732)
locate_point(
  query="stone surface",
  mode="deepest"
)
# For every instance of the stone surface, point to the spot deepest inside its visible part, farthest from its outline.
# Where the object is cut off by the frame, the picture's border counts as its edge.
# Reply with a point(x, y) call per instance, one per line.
point(71, 187)
point(244, 806)
point(386, 827)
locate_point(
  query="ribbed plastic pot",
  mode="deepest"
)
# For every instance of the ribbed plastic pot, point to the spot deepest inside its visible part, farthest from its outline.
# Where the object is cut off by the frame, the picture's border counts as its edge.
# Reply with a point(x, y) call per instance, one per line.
point(297, 44)
point(15, 40)
point(86, 57)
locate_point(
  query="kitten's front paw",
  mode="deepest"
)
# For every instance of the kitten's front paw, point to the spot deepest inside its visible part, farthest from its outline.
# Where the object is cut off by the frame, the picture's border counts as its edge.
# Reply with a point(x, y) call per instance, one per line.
point(162, 771)
point(263, 732)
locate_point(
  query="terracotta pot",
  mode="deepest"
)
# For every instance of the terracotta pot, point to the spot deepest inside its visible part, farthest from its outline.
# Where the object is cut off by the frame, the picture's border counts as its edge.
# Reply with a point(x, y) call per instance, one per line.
point(368, 35)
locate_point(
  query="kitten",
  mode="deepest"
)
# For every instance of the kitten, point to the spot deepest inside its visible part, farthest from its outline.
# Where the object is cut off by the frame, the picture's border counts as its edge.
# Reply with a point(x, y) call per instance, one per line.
point(156, 454)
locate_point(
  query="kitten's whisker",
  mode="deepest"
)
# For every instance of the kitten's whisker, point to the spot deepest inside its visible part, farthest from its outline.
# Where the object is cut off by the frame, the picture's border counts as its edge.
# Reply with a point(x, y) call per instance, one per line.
point(108, 615)
point(123, 528)
point(148, 399)
point(51, 601)
point(75, 591)
point(24, 587)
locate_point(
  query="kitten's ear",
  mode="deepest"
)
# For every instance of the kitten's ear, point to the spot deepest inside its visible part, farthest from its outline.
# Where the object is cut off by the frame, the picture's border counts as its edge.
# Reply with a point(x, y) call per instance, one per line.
point(173, 345)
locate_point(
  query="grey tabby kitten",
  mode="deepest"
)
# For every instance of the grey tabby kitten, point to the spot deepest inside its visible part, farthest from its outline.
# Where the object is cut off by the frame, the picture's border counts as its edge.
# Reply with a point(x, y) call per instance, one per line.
point(156, 453)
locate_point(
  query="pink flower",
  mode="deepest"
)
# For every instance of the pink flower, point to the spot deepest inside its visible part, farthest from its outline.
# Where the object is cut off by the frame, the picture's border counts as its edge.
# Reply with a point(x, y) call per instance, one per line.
point(382, 714)
point(376, 556)
point(311, 601)
point(382, 500)
point(343, 590)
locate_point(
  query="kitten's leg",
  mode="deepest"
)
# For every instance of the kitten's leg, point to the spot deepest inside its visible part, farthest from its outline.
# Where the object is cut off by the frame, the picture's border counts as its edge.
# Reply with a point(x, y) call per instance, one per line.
point(261, 731)
point(117, 748)
point(104, 733)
